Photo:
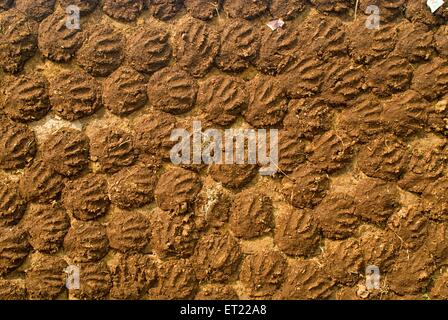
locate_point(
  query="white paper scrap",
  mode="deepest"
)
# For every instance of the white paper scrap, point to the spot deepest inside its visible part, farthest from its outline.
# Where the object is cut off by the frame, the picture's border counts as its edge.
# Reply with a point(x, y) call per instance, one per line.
point(275, 24)
point(434, 4)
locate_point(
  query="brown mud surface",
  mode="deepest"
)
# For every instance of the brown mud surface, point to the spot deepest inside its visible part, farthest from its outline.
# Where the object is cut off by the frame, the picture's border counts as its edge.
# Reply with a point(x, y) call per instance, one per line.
point(86, 179)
